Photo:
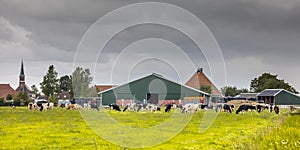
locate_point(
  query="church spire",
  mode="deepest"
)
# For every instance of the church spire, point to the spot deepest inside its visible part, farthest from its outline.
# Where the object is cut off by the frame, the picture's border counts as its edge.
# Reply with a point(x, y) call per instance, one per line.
point(22, 85)
point(22, 69)
point(22, 74)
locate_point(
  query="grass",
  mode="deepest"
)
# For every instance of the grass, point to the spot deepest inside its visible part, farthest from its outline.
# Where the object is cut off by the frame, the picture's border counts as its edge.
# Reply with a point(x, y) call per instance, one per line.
point(66, 129)
point(285, 136)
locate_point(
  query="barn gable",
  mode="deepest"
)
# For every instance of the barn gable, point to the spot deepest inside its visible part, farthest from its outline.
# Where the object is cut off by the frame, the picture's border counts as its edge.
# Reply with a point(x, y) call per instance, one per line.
point(6, 89)
point(199, 79)
point(287, 98)
point(279, 97)
point(151, 88)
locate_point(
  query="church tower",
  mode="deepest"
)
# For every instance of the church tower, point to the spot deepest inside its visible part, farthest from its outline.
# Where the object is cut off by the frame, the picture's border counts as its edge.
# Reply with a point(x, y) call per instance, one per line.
point(22, 85)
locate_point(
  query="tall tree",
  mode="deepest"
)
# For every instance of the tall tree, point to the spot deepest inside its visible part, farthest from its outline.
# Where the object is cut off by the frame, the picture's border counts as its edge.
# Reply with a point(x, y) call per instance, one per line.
point(81, 83)
point(50, 84)
point(230, 91)
point(233, 91)
point(35, 90)
point(269, 81)
point(243, 90)
point(70, 87)
point(64, 83)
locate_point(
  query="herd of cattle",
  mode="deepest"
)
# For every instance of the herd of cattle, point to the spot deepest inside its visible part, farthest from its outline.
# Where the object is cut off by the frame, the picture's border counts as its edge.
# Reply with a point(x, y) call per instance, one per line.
point(45, 105)
point(246, 107)
point(190, 107)
point(40, 106)
point(136, 107)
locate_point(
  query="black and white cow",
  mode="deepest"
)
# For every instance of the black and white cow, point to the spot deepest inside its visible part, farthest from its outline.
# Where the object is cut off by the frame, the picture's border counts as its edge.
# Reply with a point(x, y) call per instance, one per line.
point(114, 107)
point(133, 107)
point(126, 107)
point(48, 106)
point(169, 107)
point(228, 107)
point(259, 108)
point(41, 108)
point(12, 105)
point(152, 107)
point(245, 107)
point(203, 106)
point(190, 108)
point(224, 107)
point(218, 107)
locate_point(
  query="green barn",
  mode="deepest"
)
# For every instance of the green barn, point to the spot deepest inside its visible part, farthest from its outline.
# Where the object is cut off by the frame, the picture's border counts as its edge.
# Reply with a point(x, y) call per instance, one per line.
point(278, 97)
point(153, 89)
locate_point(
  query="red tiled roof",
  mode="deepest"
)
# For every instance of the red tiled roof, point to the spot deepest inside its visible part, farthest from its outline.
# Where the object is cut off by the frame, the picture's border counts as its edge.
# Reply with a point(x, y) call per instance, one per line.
point(198, 79)
point(6, 89)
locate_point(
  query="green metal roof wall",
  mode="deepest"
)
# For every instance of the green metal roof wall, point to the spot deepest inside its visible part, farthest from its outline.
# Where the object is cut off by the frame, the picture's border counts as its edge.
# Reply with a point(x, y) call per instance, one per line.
point(138, 89)
point(286, 98)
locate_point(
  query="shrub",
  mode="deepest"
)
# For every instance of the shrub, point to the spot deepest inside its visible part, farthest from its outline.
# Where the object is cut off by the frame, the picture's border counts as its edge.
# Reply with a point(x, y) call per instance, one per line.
point(1, 101)
point(17, 102)
point(9, 97)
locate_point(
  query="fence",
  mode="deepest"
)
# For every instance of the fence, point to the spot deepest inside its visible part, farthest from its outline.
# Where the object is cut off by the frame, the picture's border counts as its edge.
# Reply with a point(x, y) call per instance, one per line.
point(82, 100)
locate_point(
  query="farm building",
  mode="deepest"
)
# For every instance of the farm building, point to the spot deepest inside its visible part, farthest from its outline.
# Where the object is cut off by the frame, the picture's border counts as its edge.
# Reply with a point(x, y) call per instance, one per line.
point(154, 89)
point(6, 89)
point(22, 85)
point(246, 96)
point(278, 97)
point(200, 79)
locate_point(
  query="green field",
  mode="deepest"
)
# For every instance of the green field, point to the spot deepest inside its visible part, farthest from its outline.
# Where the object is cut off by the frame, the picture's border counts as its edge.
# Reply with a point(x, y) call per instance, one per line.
point(66, 129)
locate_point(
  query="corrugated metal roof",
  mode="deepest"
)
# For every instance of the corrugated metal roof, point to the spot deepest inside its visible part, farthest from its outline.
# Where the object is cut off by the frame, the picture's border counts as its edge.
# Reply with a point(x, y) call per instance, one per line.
point(159, 76)
point(269, 92)
point(247, 95)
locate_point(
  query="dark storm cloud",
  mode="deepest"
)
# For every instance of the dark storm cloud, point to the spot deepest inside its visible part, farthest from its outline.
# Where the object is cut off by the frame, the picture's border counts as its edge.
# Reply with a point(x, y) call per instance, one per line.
point(260, 32)
point(251, 27)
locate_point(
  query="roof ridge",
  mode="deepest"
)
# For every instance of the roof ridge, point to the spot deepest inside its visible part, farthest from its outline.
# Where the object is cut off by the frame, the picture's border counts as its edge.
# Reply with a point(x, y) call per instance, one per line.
point(159, 76)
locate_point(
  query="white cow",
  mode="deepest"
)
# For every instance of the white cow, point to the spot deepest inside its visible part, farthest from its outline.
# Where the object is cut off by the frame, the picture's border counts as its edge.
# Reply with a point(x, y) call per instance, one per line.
point(190, 108)
point(87, 106)
point(47, 106)
point(132, 107)
point(152, 107)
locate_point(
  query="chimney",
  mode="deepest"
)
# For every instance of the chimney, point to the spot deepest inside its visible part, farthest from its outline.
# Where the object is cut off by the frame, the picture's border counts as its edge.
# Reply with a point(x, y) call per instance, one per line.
point(199, 70)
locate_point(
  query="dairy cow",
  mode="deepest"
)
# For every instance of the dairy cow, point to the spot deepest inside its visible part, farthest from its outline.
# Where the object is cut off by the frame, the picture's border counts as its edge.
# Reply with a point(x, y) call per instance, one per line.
point(245, 107)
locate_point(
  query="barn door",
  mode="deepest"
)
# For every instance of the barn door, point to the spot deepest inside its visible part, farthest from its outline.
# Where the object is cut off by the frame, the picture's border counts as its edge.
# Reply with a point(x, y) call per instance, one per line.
point(152, 98)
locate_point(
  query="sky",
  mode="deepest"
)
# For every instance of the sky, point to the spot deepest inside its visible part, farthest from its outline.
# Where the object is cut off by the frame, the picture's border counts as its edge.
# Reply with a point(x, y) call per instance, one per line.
point(253, 36)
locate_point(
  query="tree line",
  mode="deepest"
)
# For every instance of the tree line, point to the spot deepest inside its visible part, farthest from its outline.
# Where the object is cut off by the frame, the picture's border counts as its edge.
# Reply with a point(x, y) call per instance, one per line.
point(264, 81)
point(78, 84)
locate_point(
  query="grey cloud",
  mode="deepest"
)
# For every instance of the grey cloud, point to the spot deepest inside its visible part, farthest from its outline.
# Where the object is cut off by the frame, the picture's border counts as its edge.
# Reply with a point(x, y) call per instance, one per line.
point(262, 31)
